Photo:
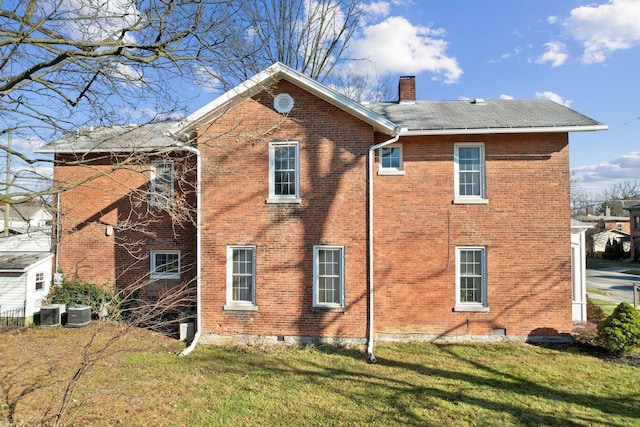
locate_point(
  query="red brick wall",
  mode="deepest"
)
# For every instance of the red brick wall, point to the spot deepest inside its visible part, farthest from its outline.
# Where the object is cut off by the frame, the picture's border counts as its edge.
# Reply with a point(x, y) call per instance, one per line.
point(333, 149)
point(525, 227)
point(118, 199)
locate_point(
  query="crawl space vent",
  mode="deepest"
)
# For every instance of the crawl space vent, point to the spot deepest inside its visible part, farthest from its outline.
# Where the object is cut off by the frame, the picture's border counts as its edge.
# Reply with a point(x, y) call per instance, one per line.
point(283, 103)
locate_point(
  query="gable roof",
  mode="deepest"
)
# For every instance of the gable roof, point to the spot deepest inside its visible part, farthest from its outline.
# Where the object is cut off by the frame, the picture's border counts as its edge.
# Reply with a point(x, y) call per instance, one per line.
point(484, 116)
point(267, 78)
point(391, 118)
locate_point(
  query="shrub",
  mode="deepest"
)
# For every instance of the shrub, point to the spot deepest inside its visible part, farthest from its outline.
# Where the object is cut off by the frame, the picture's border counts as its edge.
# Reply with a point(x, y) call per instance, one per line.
point(73, 292)
point(620, 332)
point(594, 312)
point(613, 250)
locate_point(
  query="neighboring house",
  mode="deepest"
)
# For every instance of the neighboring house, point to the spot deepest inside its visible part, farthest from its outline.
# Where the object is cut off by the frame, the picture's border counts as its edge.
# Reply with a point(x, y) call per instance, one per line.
point(25, 263)
point(634, 222)
point(597, 243)
point(579, 270)
point(25, 280)
point(321, 218)
point(26, 217)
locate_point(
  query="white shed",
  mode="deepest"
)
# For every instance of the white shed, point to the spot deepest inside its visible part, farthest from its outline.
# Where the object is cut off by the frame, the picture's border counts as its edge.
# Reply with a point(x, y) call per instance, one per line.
point(25, 280)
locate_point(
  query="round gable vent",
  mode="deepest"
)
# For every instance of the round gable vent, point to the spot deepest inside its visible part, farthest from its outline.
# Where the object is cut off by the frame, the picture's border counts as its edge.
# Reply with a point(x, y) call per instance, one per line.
point(283, 103)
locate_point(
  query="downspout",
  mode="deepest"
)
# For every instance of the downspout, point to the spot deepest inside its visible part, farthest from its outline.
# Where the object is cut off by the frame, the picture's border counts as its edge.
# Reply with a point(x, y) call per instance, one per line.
point(198, 325)
point(370, 357)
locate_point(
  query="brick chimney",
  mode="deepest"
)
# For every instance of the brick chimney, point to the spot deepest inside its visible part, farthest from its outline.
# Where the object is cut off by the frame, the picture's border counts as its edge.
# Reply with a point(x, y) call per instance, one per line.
point(407, 89)
point(607, 211)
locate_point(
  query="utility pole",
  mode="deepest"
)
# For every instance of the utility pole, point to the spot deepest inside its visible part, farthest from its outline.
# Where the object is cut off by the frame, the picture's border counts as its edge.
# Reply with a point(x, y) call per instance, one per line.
point(7, 206)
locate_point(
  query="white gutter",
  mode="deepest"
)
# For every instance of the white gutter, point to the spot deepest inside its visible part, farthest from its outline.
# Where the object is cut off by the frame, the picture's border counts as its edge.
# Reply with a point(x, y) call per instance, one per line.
point(198, 325)
point(533, 129)
point(370, 357)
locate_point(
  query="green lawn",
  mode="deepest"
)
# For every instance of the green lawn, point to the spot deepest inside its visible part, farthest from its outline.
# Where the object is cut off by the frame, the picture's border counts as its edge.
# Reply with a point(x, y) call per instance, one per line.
point(142, 382)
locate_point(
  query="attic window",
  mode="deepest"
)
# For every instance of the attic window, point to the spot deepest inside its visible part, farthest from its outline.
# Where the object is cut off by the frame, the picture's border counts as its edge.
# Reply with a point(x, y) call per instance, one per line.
point(283, 103)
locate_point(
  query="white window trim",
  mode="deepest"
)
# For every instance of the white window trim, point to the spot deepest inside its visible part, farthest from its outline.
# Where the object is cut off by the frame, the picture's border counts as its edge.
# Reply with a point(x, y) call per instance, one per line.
point(160, 202)
point(316, 304)
point(472, 306)
point(160, 275)
point(464, 199)
point(391, 171)
point(273, 198)
point(240, 305)
point(43, 281)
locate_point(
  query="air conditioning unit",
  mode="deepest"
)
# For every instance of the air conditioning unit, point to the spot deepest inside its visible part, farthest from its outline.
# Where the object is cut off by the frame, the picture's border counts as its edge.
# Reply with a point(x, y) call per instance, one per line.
point(78, 316)
point(50, 315)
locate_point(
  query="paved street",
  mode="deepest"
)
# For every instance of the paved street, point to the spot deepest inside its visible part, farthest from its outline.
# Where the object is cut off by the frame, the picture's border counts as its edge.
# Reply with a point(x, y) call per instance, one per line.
point(619, 285)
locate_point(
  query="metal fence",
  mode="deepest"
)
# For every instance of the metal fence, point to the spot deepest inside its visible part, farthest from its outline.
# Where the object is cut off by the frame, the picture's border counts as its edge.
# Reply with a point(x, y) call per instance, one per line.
point(12, 318)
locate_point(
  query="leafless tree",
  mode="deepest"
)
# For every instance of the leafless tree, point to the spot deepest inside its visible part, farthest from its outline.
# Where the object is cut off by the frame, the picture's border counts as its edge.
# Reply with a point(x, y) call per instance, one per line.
point(130, 310)
point(621, 194)
point(310, 36)
point(67, 64)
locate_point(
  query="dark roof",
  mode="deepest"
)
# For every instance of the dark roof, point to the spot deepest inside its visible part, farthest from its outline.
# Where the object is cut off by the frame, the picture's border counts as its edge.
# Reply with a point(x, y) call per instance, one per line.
point(23, 211)
point(113, 139)
point(12, 261)
point(633, 208)
point(505, 115)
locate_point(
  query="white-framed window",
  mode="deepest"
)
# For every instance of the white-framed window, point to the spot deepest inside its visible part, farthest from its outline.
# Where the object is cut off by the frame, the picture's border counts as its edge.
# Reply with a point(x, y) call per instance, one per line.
point(469, 167)
point(241, 277)
point(39, 281)
point(391, 160)
point(165, 265)
point(471, 278)
point(328, 276)
point(161, 187)
point(284, 172)
point(636, 222)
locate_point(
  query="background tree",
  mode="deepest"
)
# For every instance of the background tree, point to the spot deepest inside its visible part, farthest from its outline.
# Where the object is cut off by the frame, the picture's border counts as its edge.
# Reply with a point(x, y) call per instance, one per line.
point(66, 64)
point(310, 36)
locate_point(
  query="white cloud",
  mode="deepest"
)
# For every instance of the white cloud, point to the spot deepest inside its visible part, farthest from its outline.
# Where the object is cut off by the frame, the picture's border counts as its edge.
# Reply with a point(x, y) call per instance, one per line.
point(95, 20)
point(621, 168)
point(377, 9)
point(556, 54)
point(207, 79)
point(507, 97)
point(603, 29)
point(553, 97)
point(395, 45)
point(552, 19)
point(23, 145)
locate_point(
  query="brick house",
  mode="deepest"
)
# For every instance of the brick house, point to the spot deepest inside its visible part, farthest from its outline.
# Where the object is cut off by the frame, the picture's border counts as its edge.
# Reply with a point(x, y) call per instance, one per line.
point(634, 230)
point(321, 218)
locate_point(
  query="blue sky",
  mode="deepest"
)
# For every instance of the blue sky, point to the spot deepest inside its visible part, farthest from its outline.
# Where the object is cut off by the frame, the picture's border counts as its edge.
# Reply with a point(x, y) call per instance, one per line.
point(582, 54)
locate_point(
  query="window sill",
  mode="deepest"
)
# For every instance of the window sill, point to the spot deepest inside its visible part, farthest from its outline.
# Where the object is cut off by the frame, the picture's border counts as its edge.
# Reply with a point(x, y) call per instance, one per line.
point(275, 200)
point(329, 309)
point(391, 172)
point(165, 277)
point(472, 308)
point(240, 307)
point(470, 201)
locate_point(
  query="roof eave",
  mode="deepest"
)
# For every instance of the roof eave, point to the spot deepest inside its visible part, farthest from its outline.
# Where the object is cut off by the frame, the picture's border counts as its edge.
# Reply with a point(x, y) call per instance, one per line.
point(67, 150)
point(488, 130)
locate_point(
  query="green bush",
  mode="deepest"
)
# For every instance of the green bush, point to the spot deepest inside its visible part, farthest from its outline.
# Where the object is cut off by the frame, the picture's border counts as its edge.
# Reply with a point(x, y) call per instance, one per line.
point(620, 332)
point(74, 292)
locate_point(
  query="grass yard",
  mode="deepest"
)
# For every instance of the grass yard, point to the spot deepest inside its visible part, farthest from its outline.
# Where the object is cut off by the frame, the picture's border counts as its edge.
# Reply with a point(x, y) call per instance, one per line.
point(141, 381)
